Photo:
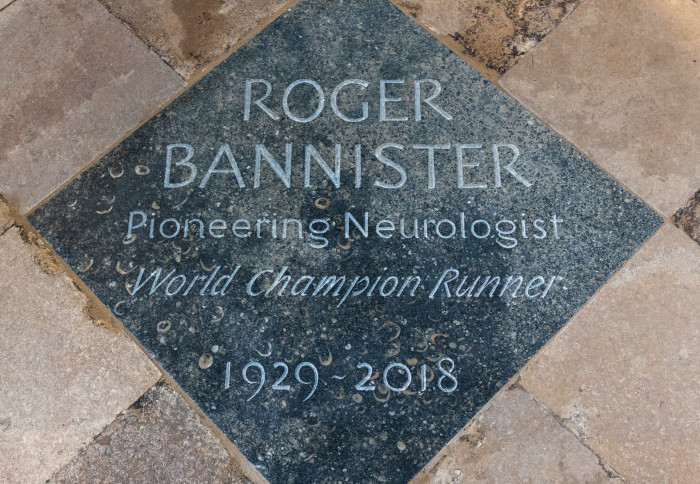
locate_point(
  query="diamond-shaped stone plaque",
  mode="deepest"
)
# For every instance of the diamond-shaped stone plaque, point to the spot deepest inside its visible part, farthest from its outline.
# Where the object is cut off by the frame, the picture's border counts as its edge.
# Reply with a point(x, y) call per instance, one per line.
point(342, 241)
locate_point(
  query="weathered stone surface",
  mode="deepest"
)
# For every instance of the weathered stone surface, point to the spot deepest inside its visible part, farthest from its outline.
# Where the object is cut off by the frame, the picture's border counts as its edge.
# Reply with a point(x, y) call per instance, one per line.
point(5, 217)
point(688, 218)
point(622, 81)
point(343, 426)
point(515, 439)
point(623, 373)
point(79, 81)
point(62, 377)
point(160, 439)
point(497, 33)
point(5, 3)
point(190, 34)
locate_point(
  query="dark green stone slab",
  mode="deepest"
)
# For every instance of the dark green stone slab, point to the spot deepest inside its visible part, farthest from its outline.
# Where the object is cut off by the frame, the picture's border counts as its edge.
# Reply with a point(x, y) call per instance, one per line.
point(201, 321)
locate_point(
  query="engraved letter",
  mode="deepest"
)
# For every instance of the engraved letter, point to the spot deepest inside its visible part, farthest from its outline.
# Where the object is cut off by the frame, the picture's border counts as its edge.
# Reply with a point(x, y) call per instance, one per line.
point(388, 162)
point(508, 167)
point(334, 100)
point(431, 160)
point(224, 150)
point(461, 165)
point(429, 99)
point(185, 162)
point(383, 100)
point(319, 108)
point(334, 175)
point(258, 102)
point(285, 175)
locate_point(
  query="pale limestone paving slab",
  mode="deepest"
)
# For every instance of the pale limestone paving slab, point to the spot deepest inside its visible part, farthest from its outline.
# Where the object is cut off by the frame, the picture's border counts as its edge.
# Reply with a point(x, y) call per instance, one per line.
point(5, 3)
point(190, 35)
point(159, 439)
point(621, 80)
point(74, 81)
point(514, 439)
point(337, 427)
point(497, 33)
point(623, 373)
point(62, 377)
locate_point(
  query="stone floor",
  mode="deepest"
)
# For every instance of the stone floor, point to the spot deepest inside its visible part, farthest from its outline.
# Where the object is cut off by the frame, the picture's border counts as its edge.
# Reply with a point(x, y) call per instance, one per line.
point(614, 396)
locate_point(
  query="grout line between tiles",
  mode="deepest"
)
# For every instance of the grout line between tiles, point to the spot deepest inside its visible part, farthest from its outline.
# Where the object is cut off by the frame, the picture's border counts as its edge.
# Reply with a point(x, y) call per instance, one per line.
point(3, 8)
point(607, 468)
point(262, 23)
point(97, 310)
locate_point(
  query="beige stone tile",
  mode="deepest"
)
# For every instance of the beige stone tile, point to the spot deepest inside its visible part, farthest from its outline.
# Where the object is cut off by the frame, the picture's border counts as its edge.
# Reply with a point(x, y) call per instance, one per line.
point(62, 377)
point(496, 33)
point(74, 80)
point(688, 218)
point(5, 3)
point(624, 371)
point(621, 80)
point(189, 35)
point(159, 439)
point(514, 439)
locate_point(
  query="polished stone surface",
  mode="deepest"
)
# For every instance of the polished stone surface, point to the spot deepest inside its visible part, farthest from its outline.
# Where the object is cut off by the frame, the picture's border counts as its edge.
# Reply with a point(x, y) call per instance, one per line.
point(158, 439)
point(63, 376)
point(74, 80)
point(550, 216)
point(621, 81)
point(622, 375)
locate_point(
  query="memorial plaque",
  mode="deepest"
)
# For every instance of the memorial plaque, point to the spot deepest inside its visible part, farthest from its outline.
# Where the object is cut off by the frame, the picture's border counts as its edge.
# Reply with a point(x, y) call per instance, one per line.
point(342, 241)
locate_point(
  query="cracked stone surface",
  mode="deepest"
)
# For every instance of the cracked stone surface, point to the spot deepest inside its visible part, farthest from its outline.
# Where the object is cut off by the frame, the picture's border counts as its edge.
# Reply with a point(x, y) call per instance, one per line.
point(190, 34)
point(62, 376)
point(623, 372)
point(158, 439)
point(688, 218)
point(79, 81)
point(634, 110)
point(495, 32)
point(5, 218)
point(515, 439)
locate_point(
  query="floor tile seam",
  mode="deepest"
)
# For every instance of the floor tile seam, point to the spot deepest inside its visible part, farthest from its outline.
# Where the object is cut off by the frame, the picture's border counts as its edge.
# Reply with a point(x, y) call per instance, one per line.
point(107, 428)
point(157, 110)
point(3, 8)
point(143, 40)
point(587, 153)
point(514, 382)
point(602, 461)
point(529, 56)
point(100, 311)
point(448, 41)
point(4, 231)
